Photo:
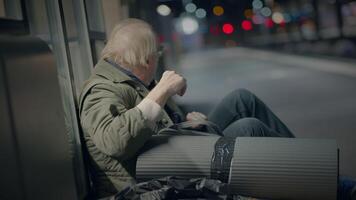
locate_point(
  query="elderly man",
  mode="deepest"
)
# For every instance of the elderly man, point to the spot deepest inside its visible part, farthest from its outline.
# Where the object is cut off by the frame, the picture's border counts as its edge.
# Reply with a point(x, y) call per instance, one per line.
point(121, 107)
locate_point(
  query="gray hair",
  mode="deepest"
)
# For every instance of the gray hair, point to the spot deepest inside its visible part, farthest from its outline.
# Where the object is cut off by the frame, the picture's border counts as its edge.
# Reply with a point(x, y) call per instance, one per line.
point(131, 43)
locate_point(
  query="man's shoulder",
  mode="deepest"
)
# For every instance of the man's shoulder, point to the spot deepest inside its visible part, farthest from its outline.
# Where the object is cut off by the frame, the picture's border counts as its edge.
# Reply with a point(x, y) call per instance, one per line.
point(107, 76)
point(99, 87)
point(101, 83)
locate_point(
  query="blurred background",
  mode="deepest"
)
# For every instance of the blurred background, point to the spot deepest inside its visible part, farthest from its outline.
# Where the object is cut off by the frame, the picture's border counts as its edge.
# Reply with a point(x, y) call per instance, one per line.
point(298, 26)
point(299, 56)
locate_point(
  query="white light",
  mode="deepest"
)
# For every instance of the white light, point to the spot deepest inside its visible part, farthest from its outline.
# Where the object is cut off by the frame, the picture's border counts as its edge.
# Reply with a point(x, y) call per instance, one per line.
point(189, 25)
point(163, 10)
point(277, 17)
point(200, 13)
point(266, 12)
point(190, 7)
point(257, 4)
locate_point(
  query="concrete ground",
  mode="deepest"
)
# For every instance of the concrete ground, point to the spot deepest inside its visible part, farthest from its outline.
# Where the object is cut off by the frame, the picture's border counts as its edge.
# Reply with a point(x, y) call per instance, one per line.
point(315, 97)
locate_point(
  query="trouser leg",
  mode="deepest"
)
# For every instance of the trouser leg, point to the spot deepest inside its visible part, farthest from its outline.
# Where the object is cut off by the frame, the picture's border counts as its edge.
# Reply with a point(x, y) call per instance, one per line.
point(249, 127)
point(241, 104)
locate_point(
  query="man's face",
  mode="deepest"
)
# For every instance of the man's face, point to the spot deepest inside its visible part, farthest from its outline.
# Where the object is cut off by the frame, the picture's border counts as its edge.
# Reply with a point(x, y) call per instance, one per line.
point(152, 66)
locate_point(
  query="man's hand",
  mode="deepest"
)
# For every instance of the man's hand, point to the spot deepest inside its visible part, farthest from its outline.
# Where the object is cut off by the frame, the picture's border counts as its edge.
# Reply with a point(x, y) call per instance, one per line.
point(170, 84)
point(196, 116)
point(193, 116)
point(173, 83)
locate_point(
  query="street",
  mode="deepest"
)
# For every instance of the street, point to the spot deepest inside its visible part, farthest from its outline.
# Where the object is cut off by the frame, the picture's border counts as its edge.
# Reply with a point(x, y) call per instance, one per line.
point(315, 97)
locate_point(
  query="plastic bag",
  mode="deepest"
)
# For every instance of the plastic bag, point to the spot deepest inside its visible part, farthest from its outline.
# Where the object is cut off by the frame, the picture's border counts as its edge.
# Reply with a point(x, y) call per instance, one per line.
point(172, 187)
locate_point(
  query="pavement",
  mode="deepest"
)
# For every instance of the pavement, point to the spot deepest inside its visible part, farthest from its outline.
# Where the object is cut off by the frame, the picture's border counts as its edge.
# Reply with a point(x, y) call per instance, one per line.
point(315, 97)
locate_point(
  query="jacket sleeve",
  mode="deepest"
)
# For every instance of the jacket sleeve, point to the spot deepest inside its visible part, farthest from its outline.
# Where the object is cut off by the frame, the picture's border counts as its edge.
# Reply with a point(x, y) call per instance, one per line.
point(115, 130)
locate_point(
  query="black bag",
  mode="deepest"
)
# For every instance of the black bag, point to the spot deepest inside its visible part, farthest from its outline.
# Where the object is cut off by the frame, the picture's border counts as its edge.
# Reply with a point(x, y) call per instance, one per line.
point(172, 187)
point(185, 128)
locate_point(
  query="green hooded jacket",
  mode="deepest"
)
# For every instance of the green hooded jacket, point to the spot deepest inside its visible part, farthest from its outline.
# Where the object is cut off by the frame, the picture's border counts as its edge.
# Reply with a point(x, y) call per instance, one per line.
point(114, 129)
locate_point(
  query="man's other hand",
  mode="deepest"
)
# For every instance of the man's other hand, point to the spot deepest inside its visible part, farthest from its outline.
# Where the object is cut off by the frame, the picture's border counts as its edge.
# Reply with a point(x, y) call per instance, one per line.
point(196, 116)
point(170, 84)
point(173, 83)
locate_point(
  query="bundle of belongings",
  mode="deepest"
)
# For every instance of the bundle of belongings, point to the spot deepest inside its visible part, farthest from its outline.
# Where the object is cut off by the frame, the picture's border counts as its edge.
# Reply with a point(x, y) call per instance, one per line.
point(172, 187)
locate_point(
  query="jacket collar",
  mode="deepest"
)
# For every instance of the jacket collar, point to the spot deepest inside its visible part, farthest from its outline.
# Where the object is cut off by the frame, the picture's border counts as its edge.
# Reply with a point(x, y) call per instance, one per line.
point(110, 72)
point(114, 74)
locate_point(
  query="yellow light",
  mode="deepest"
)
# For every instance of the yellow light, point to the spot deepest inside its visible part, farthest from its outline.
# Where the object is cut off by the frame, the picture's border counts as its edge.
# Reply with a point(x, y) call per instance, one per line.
point(218, 10)
point(248, 13)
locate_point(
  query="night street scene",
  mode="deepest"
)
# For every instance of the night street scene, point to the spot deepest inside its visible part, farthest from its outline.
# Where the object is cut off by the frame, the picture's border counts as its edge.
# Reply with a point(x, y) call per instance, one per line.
point(178, 99)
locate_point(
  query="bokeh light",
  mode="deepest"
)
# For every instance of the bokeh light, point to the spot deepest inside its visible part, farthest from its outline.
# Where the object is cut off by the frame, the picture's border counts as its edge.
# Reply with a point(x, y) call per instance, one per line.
point(163, 10)
point(189, 25)
point(218, 10)
point(277, 17)
point(248, 13)
point(266, 12)
point(258, 19)
point(214, 29)
point(257, 4)
point(228, 28)
point(161, 38)
point(200, 13)
point(269, 23)
point(190, 7)
point(246, 25)
point(287, 17)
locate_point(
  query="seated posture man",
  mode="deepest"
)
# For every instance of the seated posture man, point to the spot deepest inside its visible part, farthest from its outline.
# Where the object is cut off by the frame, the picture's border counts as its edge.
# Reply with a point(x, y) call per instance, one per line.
point(121, 107)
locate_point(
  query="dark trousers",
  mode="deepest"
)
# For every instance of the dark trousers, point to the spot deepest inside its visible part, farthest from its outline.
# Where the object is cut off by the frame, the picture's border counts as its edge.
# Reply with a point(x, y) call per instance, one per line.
point(241, 113)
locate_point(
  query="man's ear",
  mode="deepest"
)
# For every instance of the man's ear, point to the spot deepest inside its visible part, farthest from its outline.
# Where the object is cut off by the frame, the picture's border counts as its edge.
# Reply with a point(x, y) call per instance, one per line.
point(147, 64)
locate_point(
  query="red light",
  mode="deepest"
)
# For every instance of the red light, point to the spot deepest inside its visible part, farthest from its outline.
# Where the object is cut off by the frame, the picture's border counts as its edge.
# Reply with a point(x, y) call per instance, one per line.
point(174, 36)
point(161, 38)
point(246, 25)
point(214, 30)
point(269, 23)
point(228, 28)
point(282, 24)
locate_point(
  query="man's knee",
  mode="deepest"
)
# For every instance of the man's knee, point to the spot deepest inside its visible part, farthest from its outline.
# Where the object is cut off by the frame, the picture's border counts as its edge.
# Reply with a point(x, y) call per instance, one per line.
point(247, 127)
point(250, 123)
point(242, 94)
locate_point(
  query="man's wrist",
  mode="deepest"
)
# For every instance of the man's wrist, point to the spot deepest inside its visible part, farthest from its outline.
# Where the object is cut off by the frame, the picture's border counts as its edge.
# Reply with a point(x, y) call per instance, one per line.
point(159, 94)
point(150, 109)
